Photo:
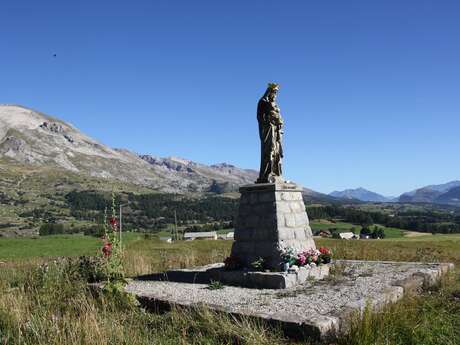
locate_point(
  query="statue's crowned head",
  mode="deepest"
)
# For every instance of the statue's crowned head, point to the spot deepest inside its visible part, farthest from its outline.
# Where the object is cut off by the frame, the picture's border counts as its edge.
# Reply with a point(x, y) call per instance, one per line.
point(272, 90)
point(273, 86)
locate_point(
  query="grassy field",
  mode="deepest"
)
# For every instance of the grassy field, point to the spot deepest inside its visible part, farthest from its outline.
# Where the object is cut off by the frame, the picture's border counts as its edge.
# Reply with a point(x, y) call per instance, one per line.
point(53, 306)
point(53, 246)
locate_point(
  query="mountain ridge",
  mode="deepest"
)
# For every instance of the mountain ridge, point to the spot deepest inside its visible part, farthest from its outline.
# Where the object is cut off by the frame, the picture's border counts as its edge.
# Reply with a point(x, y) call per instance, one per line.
point(361, 194)
point(33, 138)
point(440, 193)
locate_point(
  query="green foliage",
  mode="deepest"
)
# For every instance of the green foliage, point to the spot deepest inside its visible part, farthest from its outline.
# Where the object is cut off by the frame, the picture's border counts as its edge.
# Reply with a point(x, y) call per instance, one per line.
point(209, 227)
point(86, 200)
point(95, 230)
point(187, 209)
point(112, 253)
point(115, 292)
point(258, 264)
point(215, 285)
point(433, 221)
point(51, 229)
point(376, 232)
point(156, 211)
point(48, 246)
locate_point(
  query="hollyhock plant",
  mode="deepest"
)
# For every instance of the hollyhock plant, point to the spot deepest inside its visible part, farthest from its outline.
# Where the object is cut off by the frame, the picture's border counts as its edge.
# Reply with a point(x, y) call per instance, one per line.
point(113, 223)
point(111, 250)
point(107, 249)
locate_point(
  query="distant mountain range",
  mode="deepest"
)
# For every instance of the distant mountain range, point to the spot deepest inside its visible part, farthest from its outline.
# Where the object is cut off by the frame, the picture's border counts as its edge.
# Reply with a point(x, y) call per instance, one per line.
point(447, 193)
point(34, 139)
point(360, 194)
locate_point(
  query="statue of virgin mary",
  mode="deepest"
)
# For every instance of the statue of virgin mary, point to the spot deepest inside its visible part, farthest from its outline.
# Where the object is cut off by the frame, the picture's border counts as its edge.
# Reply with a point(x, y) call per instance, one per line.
point(270, 132)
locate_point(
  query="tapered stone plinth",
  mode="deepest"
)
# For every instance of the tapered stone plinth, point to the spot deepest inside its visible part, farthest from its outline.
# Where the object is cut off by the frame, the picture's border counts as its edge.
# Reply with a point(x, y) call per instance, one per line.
point(271, 217)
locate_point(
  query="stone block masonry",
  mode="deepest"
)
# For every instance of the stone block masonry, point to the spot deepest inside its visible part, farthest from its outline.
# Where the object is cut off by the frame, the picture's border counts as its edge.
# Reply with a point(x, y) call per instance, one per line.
point(271, 218)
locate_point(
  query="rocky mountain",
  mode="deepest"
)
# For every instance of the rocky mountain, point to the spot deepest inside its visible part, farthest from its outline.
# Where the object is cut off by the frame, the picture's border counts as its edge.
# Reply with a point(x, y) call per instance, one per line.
point(217, 178)
point(33, 138)
point(451, 197)
point(360, 194)
point(447, 193)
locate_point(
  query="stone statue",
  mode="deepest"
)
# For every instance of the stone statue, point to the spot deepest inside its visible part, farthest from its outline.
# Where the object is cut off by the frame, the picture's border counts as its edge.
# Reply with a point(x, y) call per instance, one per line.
point(271, 218)
point(270, 132)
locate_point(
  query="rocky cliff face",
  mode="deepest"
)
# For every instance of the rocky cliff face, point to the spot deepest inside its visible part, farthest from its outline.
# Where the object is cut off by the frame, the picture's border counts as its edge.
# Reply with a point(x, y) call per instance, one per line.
point(31, 137)
point(218, 178)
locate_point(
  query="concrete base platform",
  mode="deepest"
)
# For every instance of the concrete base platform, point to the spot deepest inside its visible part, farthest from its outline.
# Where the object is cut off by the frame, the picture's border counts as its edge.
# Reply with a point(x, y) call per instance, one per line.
point(316, 308)
point(242, 278)
point(268, 280)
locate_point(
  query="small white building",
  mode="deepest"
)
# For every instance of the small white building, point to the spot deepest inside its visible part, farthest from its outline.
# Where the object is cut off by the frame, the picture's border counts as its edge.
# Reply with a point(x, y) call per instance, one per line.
point(347, 236)
point(209, 235)
point(228, 236)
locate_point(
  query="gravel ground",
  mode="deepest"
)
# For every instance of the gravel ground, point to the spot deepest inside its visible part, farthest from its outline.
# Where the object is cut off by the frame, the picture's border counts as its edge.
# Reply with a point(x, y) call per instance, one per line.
point(322, 304)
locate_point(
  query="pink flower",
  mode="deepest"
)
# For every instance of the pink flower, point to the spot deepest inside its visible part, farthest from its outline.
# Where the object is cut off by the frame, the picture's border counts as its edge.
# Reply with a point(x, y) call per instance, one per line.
point(302, 260)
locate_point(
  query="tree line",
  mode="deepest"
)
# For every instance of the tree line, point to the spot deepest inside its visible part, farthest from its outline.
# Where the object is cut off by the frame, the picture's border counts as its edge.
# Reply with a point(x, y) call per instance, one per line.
point(153, 211)
point(423, 221)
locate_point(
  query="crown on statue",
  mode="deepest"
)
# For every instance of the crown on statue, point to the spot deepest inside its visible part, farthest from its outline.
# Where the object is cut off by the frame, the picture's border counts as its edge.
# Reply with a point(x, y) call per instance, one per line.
point(273, 86)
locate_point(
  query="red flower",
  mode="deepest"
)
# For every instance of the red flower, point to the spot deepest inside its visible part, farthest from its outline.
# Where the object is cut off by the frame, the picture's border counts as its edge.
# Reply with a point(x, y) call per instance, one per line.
point(324, 250)
point(113, 222)
point(107, 249)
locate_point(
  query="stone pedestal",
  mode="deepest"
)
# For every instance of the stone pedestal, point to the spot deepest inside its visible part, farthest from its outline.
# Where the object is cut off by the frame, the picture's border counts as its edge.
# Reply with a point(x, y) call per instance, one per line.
point(271, 217)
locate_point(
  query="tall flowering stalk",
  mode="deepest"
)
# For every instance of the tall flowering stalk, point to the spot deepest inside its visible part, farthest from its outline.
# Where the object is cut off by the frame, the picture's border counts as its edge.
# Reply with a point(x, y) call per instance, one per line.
point(112, 250)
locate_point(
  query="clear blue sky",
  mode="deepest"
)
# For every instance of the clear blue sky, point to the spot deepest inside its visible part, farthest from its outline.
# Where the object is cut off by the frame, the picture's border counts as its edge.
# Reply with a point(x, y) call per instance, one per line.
point(370, 90)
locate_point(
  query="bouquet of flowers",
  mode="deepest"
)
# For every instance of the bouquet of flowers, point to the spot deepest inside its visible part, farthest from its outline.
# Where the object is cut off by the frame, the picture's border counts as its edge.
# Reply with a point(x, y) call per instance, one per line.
point(311, 257)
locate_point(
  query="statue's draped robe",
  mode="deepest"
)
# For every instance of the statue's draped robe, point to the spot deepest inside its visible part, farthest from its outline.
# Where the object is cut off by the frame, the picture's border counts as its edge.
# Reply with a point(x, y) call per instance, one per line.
point(270, 131)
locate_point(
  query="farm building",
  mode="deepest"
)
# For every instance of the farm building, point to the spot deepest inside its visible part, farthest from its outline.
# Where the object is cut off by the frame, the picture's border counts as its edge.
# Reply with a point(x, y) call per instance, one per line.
point(210, 235)
point(347, 236)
